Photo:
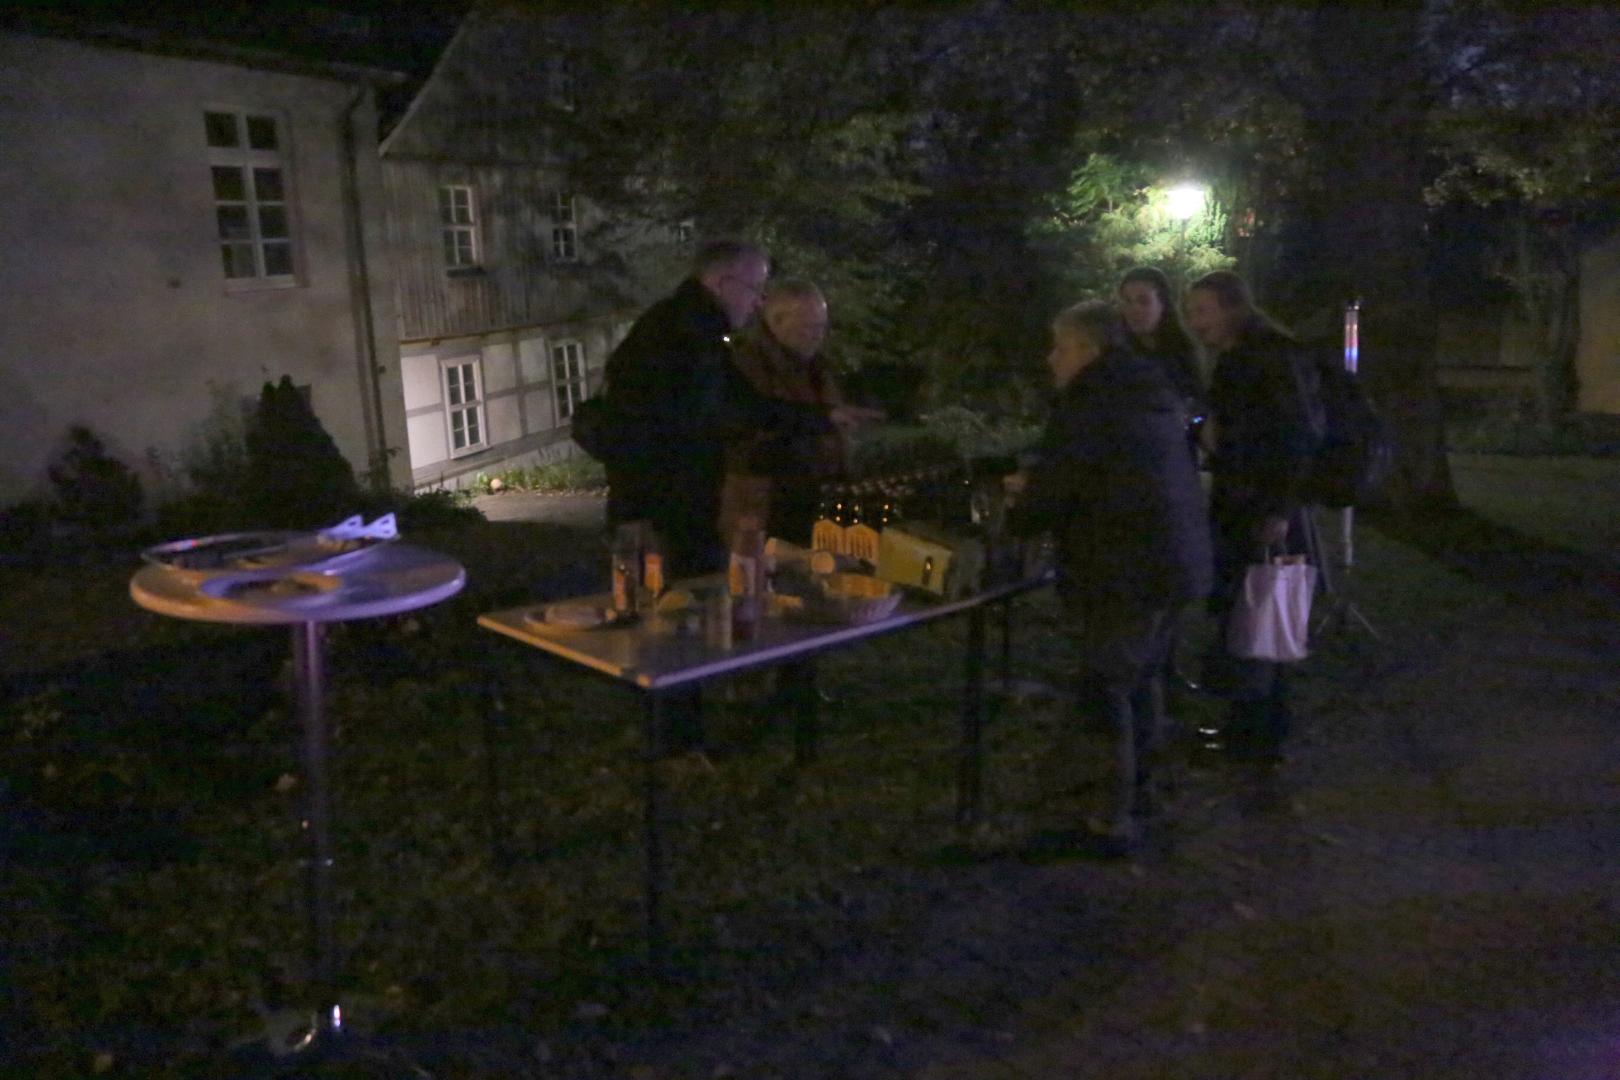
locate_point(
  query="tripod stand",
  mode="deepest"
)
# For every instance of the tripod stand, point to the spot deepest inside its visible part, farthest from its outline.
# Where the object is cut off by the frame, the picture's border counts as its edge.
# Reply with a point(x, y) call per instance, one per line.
point(1342, 613)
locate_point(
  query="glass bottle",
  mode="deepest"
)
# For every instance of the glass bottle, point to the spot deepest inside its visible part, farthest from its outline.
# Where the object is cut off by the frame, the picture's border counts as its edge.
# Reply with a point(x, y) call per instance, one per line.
point(652, 569)
point(747, 577)
point(625, 566)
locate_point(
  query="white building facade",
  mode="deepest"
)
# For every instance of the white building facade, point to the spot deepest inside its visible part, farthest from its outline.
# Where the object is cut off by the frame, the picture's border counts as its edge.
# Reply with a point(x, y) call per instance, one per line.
point(180, 229)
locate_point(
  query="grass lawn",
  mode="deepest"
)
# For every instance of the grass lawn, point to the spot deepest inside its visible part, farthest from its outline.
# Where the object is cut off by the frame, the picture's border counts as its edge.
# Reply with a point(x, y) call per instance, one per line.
point(152, 896)
point(1571, 502)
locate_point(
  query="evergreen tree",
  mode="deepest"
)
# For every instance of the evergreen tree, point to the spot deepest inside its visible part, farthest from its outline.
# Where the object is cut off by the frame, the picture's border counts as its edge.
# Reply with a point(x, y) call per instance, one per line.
point(296, 477)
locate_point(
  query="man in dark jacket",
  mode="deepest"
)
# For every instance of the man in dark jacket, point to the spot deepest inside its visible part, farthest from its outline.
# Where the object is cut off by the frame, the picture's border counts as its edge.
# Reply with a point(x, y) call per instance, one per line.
point(1262, 438)
point(1116, 487)
point(672, 376)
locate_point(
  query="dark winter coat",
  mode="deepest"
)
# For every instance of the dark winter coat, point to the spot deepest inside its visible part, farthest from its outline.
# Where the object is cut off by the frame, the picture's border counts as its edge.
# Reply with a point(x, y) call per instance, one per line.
point(673, 376)
point(1264, 433)
point(1182, 370)
point(771, 475)
point(1116, 487)
point(1181, 367)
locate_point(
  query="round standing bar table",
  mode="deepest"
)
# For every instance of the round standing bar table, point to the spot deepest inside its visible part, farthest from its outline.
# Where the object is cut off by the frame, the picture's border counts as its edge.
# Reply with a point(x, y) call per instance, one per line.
point(393, 578)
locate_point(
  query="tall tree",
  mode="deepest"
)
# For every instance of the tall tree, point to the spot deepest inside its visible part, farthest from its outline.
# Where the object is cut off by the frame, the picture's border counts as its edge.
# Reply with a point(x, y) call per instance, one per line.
point(1529, 135)
point(1368, 115)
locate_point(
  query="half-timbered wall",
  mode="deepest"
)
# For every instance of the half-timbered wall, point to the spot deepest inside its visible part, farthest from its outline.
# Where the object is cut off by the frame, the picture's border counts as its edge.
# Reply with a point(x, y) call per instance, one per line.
point(504, 322)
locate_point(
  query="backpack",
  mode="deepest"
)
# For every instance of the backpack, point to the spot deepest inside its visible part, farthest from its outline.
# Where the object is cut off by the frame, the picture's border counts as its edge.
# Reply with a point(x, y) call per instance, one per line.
point(1355, 447)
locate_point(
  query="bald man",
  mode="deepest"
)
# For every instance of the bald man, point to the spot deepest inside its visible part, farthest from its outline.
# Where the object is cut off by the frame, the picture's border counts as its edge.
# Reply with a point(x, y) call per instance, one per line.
point(673, 376)
point(776, 474)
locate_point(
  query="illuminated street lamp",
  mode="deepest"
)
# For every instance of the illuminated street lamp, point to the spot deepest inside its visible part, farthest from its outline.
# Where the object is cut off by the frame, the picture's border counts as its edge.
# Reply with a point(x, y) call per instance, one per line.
point(1185, 201)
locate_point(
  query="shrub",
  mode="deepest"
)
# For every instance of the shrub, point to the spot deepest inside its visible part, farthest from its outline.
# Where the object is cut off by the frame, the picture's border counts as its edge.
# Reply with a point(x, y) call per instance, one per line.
point(295, 476)
point(27, 531)
point(570, 474)
point(428, 510)
point(216, 461)
point(95, 492)
point(975, 434)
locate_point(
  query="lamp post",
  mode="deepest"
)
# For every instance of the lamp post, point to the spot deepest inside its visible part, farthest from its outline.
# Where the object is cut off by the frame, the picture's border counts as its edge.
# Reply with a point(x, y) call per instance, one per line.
point(1185, 201)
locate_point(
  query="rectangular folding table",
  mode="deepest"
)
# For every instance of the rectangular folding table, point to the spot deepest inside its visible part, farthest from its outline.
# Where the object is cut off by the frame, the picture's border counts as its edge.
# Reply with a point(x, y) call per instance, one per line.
point(657, 656)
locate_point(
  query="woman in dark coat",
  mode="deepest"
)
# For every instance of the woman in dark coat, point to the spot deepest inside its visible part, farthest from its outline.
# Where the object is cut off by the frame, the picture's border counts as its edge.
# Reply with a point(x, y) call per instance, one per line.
point(1262, 439)
point(1156, 331)
point(1116, 487)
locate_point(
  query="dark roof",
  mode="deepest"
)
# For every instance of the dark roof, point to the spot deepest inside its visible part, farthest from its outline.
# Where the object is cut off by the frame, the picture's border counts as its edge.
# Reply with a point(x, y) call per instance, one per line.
point(389, 44)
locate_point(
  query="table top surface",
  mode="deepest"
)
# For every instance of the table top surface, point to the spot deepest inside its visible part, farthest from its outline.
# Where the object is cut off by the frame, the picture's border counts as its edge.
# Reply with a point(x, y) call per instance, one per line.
point(394, 578)
point(657, 652)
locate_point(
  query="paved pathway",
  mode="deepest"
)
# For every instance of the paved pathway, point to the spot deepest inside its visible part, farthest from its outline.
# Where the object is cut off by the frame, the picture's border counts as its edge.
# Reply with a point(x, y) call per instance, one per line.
point(585, 511)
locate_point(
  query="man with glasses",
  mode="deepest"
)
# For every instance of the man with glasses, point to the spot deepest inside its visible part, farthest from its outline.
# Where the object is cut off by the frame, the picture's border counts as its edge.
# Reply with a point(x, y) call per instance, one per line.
point(673, 380)
point(673, 376)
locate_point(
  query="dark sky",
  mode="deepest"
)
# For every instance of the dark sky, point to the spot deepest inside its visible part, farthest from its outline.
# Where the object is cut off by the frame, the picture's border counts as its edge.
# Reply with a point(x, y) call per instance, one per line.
point(398, 36)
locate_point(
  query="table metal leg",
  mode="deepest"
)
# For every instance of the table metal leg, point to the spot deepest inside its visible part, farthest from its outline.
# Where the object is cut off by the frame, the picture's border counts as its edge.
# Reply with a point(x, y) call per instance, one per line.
point(970, 768)
point(654, 828)
point(309, 677)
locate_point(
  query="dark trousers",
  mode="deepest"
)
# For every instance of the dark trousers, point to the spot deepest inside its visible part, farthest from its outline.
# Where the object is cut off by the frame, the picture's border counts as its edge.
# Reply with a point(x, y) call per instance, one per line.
point(1122, 646)
point(1257, 690)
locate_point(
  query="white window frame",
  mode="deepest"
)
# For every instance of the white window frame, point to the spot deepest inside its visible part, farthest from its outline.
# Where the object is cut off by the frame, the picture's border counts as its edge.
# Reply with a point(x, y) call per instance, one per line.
point(254, 206)
point(462, 379)
point(570, 378)
point(564, 227)
point(458, 226)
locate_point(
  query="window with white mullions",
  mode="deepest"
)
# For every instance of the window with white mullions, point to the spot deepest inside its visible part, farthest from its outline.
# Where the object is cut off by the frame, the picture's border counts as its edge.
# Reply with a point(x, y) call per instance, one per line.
point(464, 406)
point(252, 207)
point(568, 377)
point(564, 228)
point(458, 224)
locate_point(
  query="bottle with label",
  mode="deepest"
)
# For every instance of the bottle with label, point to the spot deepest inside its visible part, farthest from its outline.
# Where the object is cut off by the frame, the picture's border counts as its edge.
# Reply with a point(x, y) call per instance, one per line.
point(652, 569)
point(625, 563)
point(747, 577)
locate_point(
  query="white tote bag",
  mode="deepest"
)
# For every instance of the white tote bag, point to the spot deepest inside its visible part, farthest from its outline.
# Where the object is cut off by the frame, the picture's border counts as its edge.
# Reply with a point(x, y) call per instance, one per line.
point(1272, 617)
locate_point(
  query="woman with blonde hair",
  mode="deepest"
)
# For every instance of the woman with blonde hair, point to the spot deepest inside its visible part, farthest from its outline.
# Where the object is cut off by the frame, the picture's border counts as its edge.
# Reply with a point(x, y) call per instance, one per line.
point(1262, 442)
point(1114, 484)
